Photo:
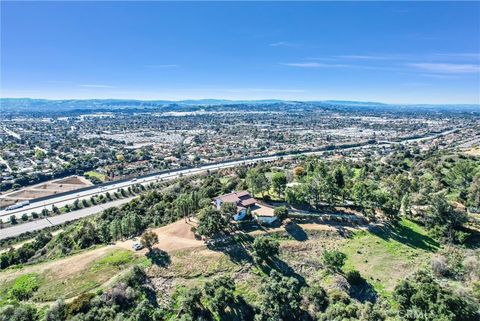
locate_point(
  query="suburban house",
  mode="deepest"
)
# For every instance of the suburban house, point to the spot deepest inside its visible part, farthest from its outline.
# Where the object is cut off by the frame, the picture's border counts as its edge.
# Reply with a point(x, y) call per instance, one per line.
point(243, 200)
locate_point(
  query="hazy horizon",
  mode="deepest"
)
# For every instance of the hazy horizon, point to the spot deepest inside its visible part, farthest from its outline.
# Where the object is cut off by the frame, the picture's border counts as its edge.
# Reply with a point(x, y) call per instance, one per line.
point(306, 51)
point(240, 101)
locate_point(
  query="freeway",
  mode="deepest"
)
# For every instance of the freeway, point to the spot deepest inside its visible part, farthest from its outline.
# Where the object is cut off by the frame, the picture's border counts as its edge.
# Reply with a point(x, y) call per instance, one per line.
point(39, 224)
point(60, 201)
point(69, 198)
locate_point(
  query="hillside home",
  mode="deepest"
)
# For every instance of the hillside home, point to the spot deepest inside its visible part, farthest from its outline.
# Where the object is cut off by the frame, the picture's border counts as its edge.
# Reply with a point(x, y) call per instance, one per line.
point(242, 200)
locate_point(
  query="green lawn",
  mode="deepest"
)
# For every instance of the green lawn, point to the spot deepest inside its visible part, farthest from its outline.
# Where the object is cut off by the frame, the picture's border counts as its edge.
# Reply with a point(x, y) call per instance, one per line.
point(97, 175)
point(386, 255)
point(92, 277)
point(383, 255)
point(225, 180)
point(53, 279)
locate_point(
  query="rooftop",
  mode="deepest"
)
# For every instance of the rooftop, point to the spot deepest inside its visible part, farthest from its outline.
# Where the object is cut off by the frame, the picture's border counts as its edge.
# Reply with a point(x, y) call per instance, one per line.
point(263, 210)
point(242, 198)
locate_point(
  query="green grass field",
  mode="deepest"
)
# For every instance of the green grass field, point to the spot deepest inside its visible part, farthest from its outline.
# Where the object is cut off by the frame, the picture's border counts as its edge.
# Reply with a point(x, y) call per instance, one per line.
point(97, 175)
point(384, 256)
point(55, 279)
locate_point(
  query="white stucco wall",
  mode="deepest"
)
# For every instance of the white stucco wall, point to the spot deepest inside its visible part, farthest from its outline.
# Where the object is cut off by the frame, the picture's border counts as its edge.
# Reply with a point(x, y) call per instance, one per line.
point(266, 219)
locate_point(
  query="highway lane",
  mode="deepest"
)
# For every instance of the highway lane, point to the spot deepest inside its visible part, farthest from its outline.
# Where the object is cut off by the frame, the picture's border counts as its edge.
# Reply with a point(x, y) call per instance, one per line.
point(39, 224)
point(71, 197)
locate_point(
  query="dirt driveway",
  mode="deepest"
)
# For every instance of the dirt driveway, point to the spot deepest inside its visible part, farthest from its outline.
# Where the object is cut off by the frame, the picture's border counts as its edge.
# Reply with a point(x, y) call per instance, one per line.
point(175, 236)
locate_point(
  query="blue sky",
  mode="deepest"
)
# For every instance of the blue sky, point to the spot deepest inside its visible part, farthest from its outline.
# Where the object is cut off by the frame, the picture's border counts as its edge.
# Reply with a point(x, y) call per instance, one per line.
point(403, 52)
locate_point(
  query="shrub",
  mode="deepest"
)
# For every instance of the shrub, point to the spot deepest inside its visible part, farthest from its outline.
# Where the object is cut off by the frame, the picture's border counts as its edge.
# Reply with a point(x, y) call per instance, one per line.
point(55, 209)
point(220, 293)
point(136, 277)
point(120, 294)
point(281, 298)
point(22, 312)
point(24, 217)
point(281, 212)
point(35, 215)
point(57, 311)
point(80, 304)
point(340, 311)
point(471, 265)
point(439, 265)
point(264, 248)
point(317, 298)
point(24, 286)
point(336, 295)
point(333, 260)
point(476, 290)
point(422, 295)
point(298, 171)
point(354, 277)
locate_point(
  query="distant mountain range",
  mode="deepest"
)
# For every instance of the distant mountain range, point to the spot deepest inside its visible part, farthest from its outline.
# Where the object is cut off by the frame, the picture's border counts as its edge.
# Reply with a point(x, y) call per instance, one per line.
point(45, 105)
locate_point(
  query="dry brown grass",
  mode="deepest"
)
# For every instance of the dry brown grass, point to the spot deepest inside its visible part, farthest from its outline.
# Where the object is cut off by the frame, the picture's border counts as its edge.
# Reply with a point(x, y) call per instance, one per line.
point(172, 237)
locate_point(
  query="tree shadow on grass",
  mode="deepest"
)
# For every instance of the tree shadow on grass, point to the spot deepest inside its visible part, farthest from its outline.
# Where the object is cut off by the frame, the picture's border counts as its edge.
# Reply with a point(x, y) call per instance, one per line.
point(473, 240)
point(151, 295)
point(239, 310)
point(343, 232)
point(159, 257)
point(280, 266)
point(405, 235)
point(296, 231)
point(363, 292)
point(236, 247)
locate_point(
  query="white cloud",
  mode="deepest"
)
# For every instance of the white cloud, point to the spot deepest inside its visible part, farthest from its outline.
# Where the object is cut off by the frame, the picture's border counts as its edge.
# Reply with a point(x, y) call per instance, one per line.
point(446, 68)
point(460, 55)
